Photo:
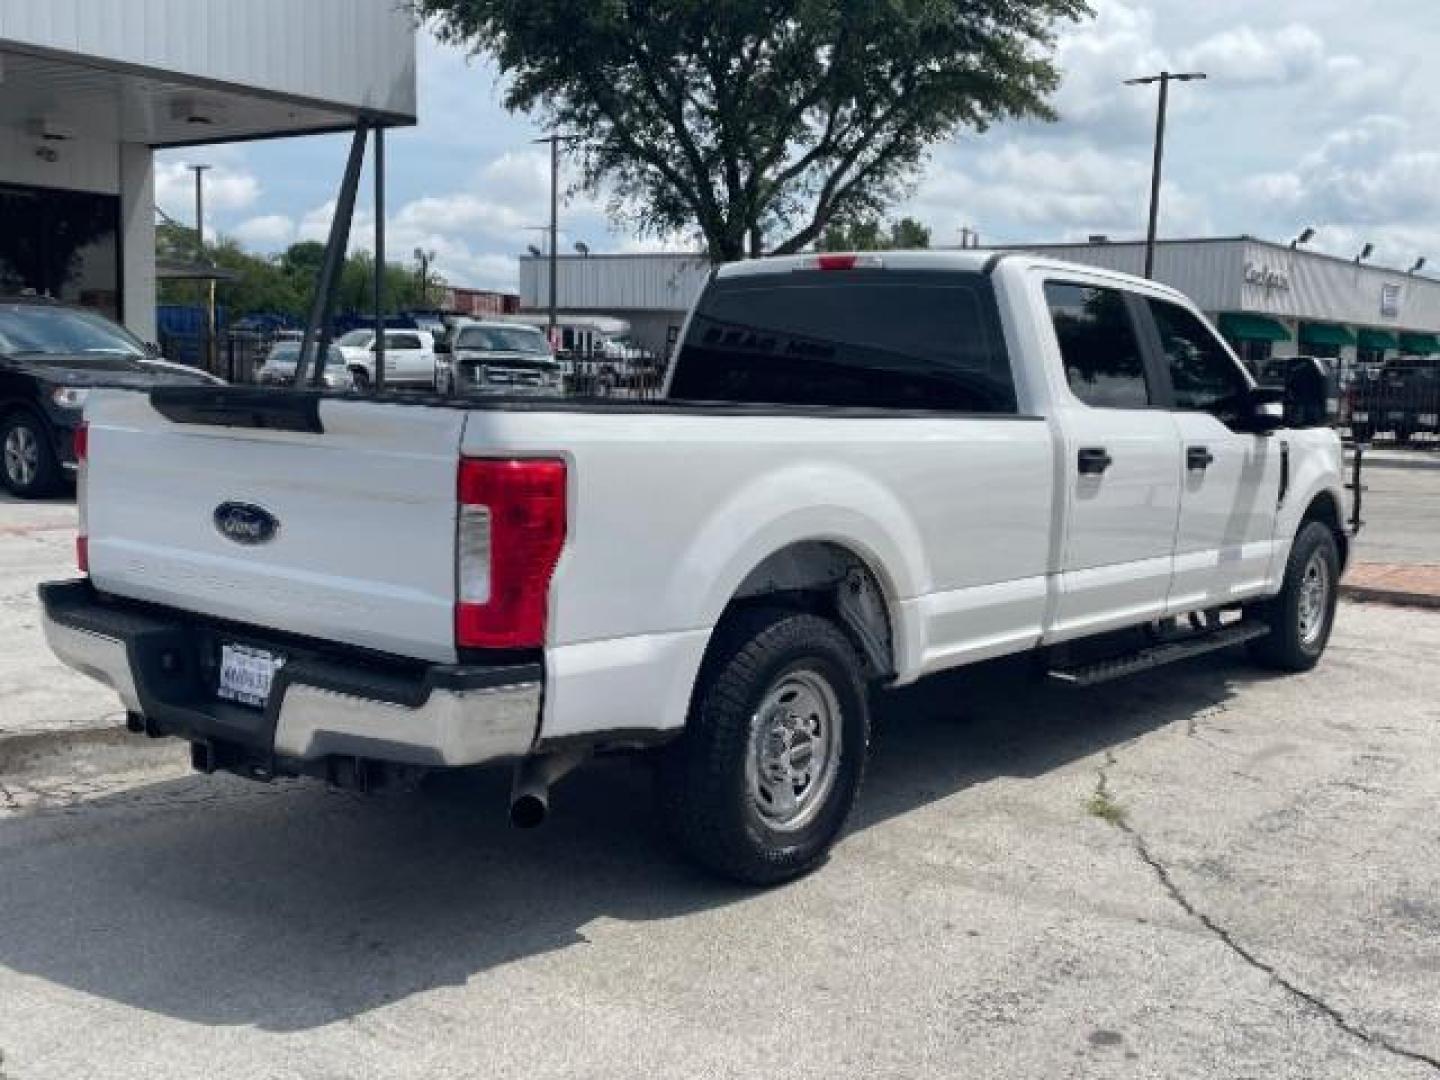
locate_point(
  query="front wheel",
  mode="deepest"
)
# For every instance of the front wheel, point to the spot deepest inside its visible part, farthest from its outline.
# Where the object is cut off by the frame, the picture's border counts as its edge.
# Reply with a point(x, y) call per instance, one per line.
point(1303, 615)
point(760, 785)
point(361, 379)
point(28, 465)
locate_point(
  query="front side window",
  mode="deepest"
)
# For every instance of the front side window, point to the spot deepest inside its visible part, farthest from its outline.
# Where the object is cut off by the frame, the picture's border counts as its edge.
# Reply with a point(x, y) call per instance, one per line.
point(356, 339)
point(1098, 346)
point(1202, 374)
point(868, 339)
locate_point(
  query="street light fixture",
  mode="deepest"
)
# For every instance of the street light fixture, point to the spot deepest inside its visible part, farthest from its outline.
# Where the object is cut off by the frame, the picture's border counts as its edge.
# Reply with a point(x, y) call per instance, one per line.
point(535, 252)
point(1306, 235)
point(1165, 78)
point(1419, 265)
point(582, 249)
point(1365, 253)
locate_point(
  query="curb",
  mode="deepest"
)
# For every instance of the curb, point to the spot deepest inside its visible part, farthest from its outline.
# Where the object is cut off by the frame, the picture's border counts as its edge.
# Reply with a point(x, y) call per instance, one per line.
point(19, 751)
point(1386, 461)
point(1368, 594)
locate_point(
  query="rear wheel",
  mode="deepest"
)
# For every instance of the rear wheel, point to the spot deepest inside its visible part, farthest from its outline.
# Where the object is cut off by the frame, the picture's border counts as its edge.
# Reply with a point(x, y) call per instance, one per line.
point(759, 787)
point(362, 380)
point(28, 465)
point(1303, 615)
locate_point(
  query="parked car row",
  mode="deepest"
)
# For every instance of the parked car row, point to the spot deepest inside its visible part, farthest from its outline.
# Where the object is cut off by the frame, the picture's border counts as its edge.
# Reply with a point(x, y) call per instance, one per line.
point(1400, 399)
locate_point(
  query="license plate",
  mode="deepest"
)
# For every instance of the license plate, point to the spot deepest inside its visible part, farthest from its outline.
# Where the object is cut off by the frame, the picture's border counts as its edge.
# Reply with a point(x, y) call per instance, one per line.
point(246, 674)
point(1427, 419)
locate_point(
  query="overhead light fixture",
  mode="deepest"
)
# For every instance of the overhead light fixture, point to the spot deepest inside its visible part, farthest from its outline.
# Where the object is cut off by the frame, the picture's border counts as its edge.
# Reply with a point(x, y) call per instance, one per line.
point(1365, 253)
point(1304, 238)
point(187, 110)
point(48, 130)
point(582, 248)
point(534, 251)
point(1419, 265)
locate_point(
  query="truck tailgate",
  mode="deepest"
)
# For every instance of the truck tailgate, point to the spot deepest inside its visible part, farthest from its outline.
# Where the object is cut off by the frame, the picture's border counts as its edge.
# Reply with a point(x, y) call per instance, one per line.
point(363, 509)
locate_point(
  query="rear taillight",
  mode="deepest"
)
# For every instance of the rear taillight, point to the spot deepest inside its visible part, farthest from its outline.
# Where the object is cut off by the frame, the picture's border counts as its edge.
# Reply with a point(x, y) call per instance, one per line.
point(81, 446)
point(511, 529)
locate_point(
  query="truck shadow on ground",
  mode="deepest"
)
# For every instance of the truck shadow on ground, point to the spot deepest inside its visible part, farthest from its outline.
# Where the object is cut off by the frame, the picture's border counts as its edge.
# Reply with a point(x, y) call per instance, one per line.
point(289, 908)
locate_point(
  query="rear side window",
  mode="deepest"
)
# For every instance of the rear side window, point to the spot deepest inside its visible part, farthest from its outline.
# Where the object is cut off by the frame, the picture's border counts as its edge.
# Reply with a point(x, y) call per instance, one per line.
point(403, 341)
point(1099, 346)
point(853, 339)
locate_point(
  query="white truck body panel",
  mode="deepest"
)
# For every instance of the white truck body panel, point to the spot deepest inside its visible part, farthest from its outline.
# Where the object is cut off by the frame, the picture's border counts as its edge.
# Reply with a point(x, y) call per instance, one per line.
point(981, 534)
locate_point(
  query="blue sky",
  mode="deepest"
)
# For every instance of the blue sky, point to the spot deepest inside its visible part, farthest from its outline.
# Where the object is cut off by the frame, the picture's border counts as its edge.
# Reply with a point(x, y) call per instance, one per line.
point(1314, 115)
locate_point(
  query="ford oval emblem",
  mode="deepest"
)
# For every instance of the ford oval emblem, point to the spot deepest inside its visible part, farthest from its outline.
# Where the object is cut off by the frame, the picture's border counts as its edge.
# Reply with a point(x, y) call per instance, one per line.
point(246, 523)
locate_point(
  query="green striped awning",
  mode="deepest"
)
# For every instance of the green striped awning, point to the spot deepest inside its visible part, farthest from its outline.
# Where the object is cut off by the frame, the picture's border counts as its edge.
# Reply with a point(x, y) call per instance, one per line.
point(1318, 333)
point(1377, 339)
point(1420, 344)
point(1242, 326)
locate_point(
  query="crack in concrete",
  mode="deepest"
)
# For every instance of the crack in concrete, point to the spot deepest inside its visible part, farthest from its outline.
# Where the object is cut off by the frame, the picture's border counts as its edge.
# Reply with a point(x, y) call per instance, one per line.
point(1226, 938)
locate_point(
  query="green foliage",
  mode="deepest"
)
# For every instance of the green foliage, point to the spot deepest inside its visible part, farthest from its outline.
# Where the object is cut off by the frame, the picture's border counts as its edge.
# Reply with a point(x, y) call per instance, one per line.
point(284, 283)
point(759, 122)
point(907, 234)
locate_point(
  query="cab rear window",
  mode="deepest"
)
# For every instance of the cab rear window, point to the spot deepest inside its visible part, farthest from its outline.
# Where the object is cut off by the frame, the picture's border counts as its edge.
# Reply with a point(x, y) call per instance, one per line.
point(854, 339)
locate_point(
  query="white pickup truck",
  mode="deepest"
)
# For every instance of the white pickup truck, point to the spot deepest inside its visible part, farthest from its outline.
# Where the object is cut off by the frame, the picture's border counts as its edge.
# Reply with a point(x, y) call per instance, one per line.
point(866, 469)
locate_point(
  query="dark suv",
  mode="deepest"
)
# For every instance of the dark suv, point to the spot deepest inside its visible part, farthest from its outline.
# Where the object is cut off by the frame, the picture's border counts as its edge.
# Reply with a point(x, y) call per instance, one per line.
point(51, 357)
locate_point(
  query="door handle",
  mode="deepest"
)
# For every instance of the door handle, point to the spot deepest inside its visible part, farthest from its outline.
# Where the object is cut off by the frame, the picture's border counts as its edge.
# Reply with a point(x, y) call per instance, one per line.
point(1199, 458)
point(1095, 460)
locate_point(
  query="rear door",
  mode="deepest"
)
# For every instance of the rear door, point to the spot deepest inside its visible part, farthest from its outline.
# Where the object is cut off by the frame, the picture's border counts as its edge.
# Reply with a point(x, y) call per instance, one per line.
point(407, 359)
point(1231, 488)
point(1121, 463)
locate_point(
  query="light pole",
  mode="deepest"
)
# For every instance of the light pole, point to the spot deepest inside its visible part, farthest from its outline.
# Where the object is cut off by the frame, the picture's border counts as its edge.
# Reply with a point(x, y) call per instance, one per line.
point(555, 140)
point(424, 258)
point(200, 171)
point(1165, 78)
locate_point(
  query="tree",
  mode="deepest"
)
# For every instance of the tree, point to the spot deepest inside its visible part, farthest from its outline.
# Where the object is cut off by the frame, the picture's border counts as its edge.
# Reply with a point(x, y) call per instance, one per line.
point(759, 122)
point(871, 235)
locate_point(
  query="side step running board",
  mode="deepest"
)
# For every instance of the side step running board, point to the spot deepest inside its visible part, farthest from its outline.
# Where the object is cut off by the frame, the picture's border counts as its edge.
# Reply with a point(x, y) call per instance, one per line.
point(1104, 671)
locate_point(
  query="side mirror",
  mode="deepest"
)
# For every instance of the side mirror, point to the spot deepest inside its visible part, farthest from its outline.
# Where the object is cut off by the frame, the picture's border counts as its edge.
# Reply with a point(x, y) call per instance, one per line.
point(1263, 411)
point(1307, 399)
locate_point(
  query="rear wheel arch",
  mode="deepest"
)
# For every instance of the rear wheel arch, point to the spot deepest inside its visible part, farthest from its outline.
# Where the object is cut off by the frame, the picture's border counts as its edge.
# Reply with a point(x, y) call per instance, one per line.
point(833, 580)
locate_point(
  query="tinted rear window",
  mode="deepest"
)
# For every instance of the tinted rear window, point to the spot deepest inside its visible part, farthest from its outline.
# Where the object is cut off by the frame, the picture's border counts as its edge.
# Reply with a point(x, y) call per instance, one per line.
point(863, 339)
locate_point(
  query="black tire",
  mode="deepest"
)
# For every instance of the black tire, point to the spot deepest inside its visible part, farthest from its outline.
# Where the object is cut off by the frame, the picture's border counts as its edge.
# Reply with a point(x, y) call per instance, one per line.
point(28, 466)
point(1295, 643)
point(362, 380)
point(706, 782)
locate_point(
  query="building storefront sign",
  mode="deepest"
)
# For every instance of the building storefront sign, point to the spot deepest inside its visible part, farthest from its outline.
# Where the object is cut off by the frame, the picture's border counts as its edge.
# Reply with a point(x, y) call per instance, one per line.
point(1266, 277)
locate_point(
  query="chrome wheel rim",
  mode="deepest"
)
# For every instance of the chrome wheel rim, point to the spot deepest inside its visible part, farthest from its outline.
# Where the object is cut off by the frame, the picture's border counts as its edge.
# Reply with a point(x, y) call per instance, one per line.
point(794, 750)
point(22, 456)
point(1314, 600)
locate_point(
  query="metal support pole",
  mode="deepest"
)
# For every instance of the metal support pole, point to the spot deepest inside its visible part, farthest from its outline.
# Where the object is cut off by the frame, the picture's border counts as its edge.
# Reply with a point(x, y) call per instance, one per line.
point(379, 259)
point(320, 326)
point(554, 233)
point(1155, 175)
point(210, 353)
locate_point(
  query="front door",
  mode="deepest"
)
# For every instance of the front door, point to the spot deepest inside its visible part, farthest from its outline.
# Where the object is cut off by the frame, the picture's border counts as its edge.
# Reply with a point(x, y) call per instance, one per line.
point(1231, 490)
point(1122, 467)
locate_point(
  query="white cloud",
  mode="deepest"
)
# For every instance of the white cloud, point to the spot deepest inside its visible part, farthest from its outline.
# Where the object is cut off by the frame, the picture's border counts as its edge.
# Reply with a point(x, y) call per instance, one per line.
point(267, 233)
point(1244, 56)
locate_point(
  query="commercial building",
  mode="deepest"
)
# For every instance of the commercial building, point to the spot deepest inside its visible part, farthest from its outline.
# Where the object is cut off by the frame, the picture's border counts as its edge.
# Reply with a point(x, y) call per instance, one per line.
point(90, 89)
point(1268, 299)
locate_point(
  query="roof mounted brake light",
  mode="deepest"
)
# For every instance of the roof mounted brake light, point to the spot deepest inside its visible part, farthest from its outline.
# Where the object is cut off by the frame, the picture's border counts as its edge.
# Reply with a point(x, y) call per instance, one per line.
point(843, 262)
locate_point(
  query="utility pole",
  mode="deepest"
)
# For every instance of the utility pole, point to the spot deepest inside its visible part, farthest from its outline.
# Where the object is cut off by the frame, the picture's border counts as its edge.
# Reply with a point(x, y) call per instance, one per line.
point(200, 171)
point(555, 141)
point(1165, 78)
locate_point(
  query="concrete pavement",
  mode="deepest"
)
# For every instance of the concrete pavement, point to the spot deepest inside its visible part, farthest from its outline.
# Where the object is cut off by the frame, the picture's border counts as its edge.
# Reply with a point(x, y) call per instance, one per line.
point(1203, 872)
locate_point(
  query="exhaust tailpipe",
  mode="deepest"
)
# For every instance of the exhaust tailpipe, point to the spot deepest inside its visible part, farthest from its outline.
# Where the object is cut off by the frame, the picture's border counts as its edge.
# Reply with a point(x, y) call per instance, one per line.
point(530, 794)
